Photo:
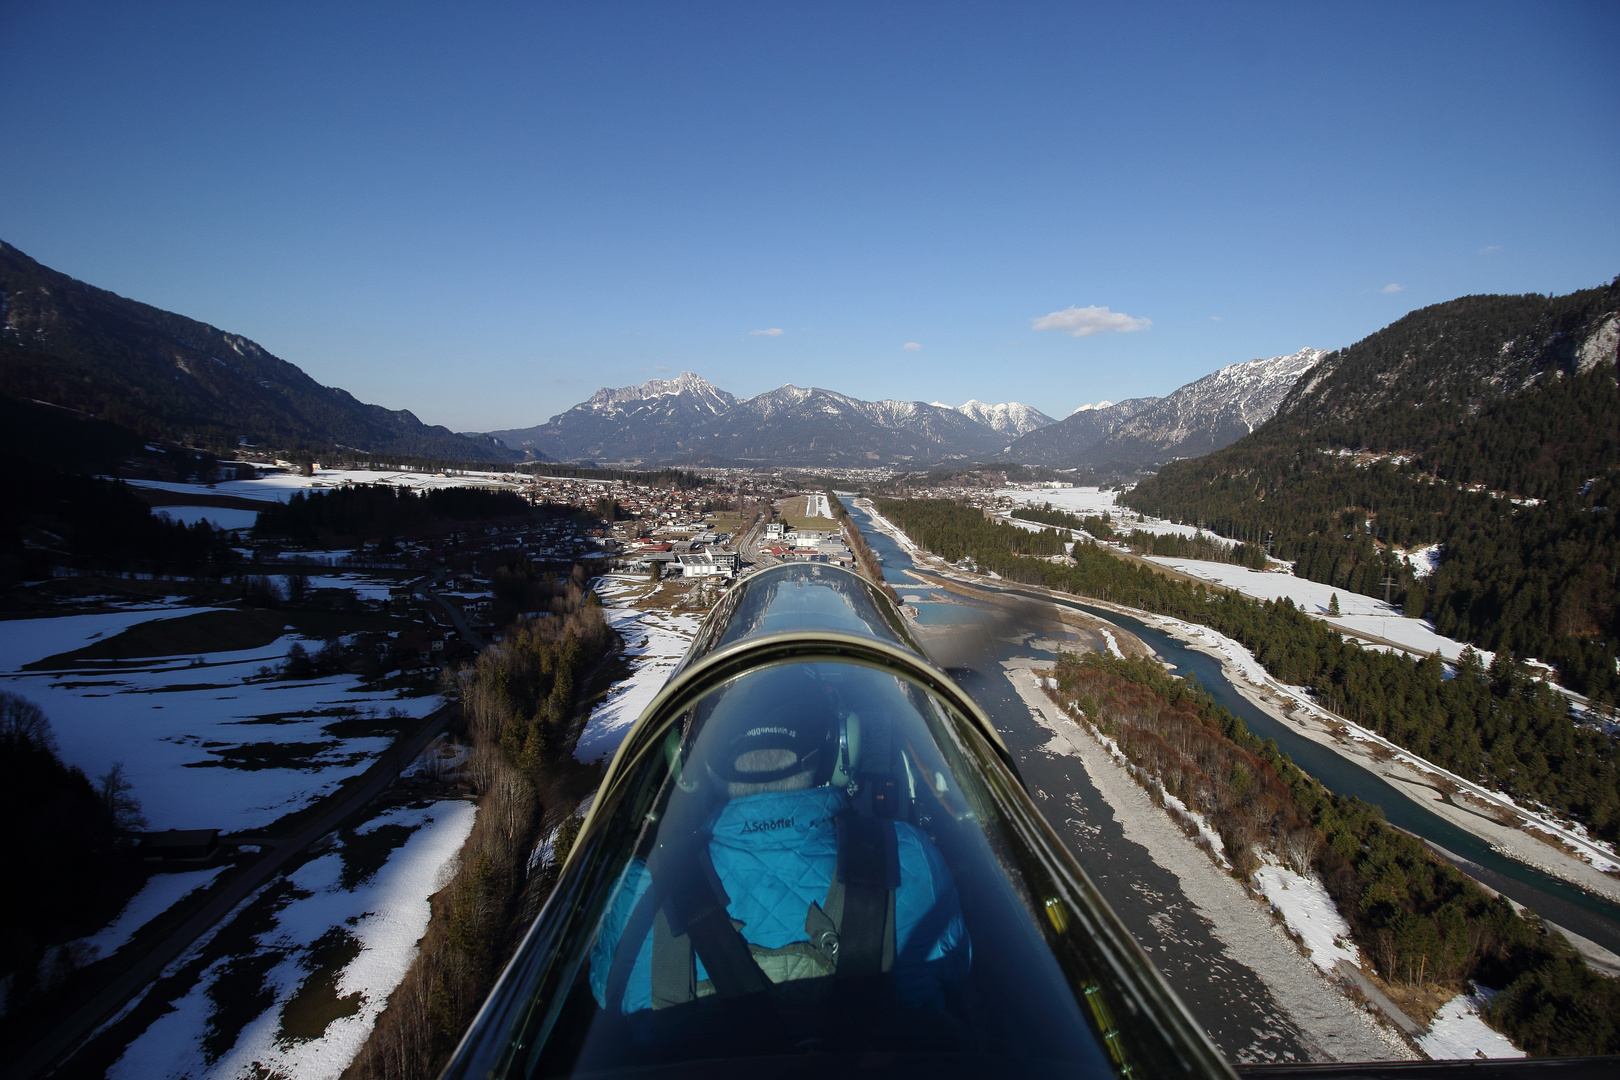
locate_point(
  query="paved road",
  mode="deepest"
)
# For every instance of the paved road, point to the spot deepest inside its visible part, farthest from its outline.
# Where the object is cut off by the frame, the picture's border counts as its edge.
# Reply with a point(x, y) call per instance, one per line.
point(62, 1042)
point(748, 546)
point(457, 619)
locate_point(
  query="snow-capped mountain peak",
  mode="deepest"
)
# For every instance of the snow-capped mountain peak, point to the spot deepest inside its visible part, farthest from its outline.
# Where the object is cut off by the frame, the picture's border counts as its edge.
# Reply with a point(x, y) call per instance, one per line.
point(1009, 418)
point(613, 400)
point(1199, 417)
point(1103, 404)
point(687, 419)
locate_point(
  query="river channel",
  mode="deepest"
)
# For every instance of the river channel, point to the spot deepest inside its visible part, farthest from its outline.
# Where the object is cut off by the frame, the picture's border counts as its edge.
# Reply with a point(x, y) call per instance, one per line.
point(1581, 912)
point(1233, 1004)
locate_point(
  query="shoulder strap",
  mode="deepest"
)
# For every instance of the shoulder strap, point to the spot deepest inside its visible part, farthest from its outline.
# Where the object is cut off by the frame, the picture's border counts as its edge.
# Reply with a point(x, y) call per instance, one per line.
point(869, 872)
point(629, 944)
point(673, 977)
point(698, 903)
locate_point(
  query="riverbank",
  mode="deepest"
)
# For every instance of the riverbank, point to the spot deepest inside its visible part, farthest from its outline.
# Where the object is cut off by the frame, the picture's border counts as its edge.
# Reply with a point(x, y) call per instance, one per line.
point(1545, 845)
point(1336, 1028)
point(1522, 837)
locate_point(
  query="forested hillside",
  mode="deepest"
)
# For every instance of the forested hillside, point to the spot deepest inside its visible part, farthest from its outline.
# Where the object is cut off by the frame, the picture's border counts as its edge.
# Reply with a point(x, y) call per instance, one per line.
point(165, 376)
point(1489, 425)
point(1499, 726)
point(1415, 916)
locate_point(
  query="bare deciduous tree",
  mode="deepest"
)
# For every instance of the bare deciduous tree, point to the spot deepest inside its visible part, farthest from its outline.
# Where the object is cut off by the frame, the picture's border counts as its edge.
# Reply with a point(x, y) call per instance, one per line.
point(24, 723)
point(117, 795)
point(1300, 846)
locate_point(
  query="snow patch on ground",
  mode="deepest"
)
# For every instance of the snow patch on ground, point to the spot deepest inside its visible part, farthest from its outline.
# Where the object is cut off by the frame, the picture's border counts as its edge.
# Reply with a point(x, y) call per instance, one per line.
point(1362, 614)
point(1459, 1032)
point(1424, 561)
point(1310, 915)
point(159, 894)
point(1113, 645)
point(279, 486)
point(26, 641)
point(1094, 502)
point(366, 588)
point(654, 642)
point(387, 913)
point(174, 724)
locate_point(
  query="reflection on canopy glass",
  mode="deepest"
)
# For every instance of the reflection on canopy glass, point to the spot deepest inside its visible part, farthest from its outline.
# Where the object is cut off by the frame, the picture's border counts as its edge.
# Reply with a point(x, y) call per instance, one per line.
point(810, 853)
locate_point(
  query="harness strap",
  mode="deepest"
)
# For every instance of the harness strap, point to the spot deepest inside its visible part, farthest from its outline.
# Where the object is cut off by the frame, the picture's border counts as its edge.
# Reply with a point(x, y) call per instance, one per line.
point(698, 904)
point(624, 956)
point(673, 978)
point(869, 872)
point(854, 927)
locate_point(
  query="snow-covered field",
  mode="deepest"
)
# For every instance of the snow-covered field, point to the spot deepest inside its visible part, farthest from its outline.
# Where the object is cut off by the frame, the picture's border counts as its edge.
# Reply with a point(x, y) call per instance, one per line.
point(1362, 614)
point(203, 747)
point(655, 641)
point(279, 486)
point(159, 894)
point(1091, 502)
point(326, 945)
point(366, 588)
point(1310, 915)
point(25, 641)
point(1458, 1032)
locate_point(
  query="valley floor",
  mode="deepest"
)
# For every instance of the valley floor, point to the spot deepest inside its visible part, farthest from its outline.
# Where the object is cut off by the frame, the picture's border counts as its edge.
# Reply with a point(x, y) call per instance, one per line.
point(1559, 848)
point(1549, 846)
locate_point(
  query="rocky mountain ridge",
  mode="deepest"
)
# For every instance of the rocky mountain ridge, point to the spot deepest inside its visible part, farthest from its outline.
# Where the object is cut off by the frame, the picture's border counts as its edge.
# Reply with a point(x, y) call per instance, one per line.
point(689, 420)
point(1010, 417)
point(1197, 418)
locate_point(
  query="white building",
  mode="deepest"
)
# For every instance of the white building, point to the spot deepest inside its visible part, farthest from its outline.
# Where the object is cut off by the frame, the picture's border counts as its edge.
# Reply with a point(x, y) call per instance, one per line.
point(708, 564)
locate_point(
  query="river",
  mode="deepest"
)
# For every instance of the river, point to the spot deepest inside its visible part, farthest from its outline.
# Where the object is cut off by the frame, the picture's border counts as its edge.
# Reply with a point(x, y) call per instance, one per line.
point(1232, 1003)
point(1583, 913)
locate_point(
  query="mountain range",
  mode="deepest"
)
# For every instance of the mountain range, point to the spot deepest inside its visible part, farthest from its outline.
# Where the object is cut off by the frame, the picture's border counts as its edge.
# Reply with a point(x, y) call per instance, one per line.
point(1010, 417)
point(688, 420)
point(164, 376)
point(1200, 417)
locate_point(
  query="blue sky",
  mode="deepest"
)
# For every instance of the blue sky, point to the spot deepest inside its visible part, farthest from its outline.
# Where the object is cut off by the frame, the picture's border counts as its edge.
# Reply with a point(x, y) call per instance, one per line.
point(483, 212)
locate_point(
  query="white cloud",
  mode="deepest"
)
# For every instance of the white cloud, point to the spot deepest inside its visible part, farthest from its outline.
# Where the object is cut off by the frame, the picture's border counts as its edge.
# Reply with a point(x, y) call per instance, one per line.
point(775, 331)
point(1392, 288)
point(1490, 249)
point(1214, 318)
point(1085, 321)
point(912, 346)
